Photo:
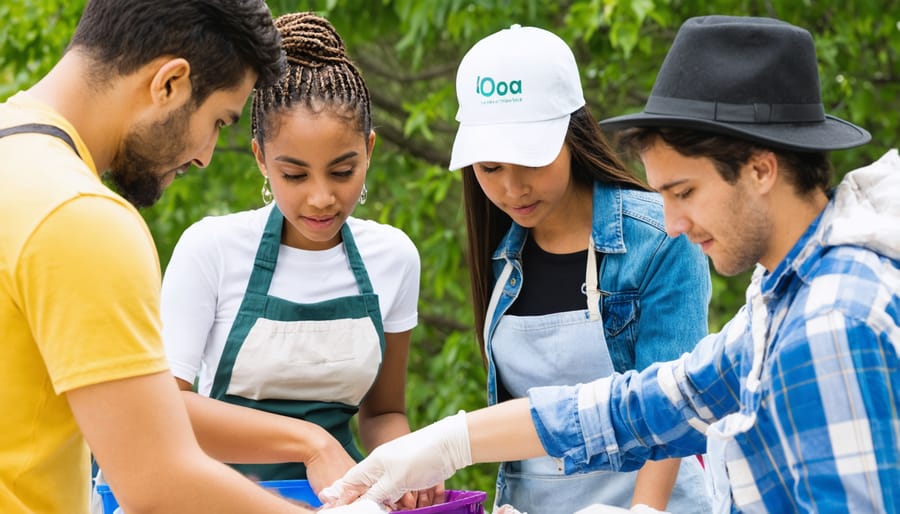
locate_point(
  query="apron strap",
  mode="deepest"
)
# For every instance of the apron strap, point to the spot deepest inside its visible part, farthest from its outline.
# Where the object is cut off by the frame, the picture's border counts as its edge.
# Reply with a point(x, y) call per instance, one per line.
point(591, 281)
point(356, 263)
point(41, 128)
point(266, 254)
point(495, 299)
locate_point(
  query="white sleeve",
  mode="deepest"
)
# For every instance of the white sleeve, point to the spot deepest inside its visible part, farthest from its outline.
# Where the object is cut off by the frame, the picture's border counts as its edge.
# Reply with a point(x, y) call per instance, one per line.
point(403, 313)
point(189, 293)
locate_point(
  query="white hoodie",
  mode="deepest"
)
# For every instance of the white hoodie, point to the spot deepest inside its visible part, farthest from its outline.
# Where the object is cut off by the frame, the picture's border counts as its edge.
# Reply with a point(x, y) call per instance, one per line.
point(867, 208)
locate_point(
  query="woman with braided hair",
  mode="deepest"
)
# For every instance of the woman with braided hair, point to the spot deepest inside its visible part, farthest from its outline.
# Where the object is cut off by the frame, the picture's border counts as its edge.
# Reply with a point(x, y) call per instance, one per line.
point(295, 316)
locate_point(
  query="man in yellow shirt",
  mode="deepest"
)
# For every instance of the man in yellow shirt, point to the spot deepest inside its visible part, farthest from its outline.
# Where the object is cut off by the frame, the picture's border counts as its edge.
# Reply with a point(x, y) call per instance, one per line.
point(141, 93)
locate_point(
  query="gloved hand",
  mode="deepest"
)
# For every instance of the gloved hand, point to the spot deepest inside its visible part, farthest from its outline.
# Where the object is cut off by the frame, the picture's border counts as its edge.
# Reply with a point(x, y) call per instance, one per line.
point(412, 462)
point(360, 507)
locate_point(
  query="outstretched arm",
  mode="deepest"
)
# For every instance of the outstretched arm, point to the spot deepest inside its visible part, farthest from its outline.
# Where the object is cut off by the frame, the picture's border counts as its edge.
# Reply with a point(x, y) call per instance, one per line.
point(139, 431)
point(432, 454)
point(543, 424)
point(241, 435)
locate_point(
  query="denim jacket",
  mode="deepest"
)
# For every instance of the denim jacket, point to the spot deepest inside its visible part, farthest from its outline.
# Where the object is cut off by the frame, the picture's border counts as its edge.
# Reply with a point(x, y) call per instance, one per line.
point(655, 289)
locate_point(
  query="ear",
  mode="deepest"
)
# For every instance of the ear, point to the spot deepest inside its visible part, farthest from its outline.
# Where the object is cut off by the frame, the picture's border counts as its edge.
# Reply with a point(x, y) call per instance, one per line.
point(171, 84)
point(260, 158)
point(370, 146)
point(765, 171)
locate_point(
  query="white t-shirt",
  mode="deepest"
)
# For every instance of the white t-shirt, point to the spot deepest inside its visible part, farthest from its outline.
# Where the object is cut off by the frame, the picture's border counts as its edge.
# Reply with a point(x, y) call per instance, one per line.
point(208, 274)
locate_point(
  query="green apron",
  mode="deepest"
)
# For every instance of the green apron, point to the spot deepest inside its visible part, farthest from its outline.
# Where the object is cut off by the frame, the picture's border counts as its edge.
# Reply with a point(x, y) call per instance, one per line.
point(299, 333)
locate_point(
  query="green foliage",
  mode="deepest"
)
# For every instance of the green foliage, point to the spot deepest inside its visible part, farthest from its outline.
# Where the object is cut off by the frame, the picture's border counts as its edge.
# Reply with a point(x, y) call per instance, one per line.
point(408, 51)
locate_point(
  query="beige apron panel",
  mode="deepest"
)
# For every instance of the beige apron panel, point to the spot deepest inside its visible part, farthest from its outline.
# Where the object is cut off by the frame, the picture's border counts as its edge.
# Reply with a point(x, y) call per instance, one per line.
point(327, 361)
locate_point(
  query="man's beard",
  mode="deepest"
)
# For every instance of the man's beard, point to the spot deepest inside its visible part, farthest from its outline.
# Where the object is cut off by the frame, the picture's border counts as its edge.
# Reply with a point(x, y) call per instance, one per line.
point(138, 169)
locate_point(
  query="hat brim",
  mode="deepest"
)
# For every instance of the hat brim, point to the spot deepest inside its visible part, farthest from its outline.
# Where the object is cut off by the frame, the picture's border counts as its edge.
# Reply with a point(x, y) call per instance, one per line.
point(832, 134)
point(532, 144)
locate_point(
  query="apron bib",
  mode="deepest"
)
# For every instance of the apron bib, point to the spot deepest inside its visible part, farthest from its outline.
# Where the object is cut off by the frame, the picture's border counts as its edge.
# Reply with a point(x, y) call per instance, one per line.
point(564, 348)
point(311, 361)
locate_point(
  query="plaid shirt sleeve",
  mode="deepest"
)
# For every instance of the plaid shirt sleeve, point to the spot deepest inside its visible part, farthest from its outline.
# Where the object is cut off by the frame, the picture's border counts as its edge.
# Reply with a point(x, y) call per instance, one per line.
point(619, 422)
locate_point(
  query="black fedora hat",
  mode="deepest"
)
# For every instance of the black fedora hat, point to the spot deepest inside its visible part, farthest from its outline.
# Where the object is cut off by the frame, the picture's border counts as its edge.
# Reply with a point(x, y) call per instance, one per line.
point(751, 78)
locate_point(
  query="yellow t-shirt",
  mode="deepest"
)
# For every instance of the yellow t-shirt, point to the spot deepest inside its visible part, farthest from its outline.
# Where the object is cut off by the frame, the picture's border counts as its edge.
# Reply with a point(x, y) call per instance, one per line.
point(79, 305)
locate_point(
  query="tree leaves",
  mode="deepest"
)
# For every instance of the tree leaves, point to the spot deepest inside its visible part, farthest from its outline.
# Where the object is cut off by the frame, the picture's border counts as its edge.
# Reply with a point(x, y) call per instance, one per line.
point(408, 51)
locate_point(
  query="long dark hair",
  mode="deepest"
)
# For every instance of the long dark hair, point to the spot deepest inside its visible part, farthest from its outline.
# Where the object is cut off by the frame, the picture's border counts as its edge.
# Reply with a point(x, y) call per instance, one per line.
point(592, 160)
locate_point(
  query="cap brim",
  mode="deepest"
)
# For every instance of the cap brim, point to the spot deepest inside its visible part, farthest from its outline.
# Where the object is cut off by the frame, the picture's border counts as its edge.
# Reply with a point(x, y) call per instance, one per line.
point(532, 144)
point(832, 134)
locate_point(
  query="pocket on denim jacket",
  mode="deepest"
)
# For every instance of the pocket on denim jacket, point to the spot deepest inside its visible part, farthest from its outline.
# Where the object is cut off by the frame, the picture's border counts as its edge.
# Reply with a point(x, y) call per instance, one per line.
point(619, 309)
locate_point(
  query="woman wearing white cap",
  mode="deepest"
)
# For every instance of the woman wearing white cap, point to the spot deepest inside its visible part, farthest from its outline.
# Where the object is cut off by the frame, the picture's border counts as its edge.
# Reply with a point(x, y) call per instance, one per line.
point(572, 273)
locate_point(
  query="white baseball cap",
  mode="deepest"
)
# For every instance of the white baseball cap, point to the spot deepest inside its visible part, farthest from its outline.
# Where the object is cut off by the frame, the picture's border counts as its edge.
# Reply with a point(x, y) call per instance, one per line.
point(516, 90)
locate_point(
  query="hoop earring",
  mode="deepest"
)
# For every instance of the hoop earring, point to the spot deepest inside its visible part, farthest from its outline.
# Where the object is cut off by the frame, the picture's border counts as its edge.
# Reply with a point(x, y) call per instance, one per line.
point(266, 192)
point(364, 195)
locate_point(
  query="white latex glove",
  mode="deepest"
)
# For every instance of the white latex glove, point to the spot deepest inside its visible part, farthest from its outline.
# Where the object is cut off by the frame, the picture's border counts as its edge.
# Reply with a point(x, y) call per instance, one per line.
point(412, 462)
point(360, 507)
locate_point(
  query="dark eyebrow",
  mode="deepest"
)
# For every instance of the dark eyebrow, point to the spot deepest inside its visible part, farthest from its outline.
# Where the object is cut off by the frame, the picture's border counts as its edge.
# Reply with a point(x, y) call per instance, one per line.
point(304, 164)
point(670, 185)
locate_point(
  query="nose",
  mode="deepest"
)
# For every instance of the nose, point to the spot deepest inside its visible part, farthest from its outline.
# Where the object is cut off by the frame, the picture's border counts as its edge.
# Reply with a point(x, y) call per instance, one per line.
point(514, 183)
point(676, 221)
point(320, 196)
point(205, 154)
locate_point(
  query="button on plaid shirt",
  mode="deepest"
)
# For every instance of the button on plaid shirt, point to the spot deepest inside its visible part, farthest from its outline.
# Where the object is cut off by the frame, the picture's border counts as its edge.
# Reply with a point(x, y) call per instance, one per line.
point(799, 394)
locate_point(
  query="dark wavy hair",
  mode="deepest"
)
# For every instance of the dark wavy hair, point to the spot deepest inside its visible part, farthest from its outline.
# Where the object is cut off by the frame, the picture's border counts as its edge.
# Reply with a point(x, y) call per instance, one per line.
point(221, 39)
point(806, 171)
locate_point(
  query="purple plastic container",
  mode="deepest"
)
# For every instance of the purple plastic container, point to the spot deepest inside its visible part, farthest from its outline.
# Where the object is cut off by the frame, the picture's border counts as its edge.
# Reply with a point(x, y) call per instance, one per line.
point(457, 502)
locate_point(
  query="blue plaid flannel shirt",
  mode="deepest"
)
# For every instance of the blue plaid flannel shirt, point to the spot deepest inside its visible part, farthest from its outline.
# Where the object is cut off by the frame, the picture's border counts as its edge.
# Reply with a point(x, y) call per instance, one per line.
point(799, 395)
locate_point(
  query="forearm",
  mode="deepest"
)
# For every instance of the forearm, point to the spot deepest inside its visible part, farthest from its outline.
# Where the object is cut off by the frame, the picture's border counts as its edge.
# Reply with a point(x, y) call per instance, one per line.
point(377, 430)
point(654, 483)
point(600, 426)
point(139, 431)
point(503, 432)
point(203, 485)
point(240, 435)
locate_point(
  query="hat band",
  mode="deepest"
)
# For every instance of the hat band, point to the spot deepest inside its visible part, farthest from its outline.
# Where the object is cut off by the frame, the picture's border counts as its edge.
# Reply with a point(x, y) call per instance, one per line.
point(736, 113)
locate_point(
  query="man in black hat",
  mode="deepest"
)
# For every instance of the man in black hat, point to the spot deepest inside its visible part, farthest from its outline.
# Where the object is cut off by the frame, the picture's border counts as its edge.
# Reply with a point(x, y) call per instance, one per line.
point(798, 396)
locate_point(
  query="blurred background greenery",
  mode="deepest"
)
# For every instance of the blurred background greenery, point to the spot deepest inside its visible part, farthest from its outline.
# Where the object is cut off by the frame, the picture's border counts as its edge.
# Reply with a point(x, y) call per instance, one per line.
point(408, 51)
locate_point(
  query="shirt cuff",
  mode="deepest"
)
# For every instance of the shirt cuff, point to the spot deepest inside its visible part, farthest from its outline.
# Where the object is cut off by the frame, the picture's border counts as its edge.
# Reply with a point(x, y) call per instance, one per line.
point(570, 425)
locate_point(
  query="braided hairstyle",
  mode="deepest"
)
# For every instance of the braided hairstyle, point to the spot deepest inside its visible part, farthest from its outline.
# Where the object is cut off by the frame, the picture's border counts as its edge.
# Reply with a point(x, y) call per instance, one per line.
point(318, 76)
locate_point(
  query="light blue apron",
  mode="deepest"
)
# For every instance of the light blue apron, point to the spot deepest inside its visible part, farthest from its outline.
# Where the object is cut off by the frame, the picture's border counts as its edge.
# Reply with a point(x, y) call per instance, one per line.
point(563, 349)
point(312, 361)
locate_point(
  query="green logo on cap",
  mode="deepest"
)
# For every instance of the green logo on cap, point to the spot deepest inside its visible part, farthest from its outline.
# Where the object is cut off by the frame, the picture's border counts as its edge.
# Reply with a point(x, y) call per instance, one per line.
point(488, 87)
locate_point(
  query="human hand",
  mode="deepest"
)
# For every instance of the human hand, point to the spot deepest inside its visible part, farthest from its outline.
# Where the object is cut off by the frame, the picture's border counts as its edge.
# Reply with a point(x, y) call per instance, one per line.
point(415, 461)
point(360, 507)
point(423, 498)
point(327, 463)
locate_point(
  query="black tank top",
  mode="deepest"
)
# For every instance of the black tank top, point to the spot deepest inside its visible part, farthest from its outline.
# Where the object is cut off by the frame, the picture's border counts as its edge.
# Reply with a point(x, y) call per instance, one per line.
point(551, 282)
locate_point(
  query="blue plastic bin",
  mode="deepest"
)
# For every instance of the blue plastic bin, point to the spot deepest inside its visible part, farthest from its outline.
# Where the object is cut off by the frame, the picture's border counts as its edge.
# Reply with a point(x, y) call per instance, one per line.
point(293, 489)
